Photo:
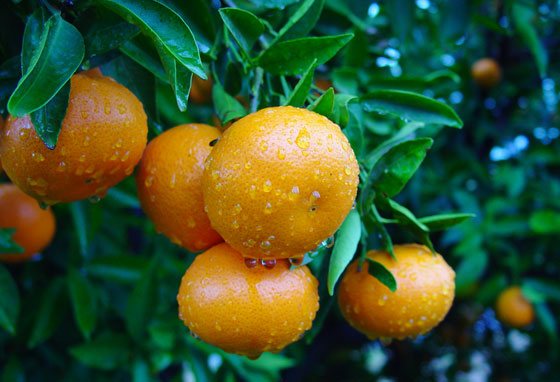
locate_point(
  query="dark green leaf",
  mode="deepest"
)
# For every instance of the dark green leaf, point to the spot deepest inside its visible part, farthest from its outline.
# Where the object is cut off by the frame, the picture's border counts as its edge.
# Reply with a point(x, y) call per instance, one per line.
point(122, 268)
point(244, 26)
point(141, 302)
point(9, 301)
point(545, 222)
point(411, 106)
point(524, 15)
point(227, 107)
point(49, 314)
point(34, 29)
point(549, 290)
point(547, 320)
point(178, 76)
point(470, 270)
point(444, 221)
point(345, 245)
point(7, 244)
point(409, 221)
point(341, 115)
point(106, 352)
point(295, 56)
point(166, 28)
point(60, 43)
point(84, 301)
point(109, 36)
point(324, 105)
point(378, 270)
point(302, 21)
point(301, 91)
point(146, 56)
point(47, 120)
point(77, 210)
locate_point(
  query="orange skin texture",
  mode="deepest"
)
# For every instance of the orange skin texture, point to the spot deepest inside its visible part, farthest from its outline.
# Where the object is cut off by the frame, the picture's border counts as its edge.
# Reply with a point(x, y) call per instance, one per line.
point(243, 310)
point(102, 138)
point(486, 72)
point(425, 292)
point(169, 182)
point(513, 309)
point(279, 182)
point(34, 226)
point(201, 90)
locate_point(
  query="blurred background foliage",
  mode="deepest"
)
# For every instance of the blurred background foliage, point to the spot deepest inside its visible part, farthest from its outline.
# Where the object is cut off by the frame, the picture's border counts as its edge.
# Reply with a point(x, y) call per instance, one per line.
point(99, 303)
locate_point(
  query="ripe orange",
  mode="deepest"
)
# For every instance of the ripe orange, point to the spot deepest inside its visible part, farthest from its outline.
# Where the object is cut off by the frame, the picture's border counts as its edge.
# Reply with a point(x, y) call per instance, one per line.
point(245, 310)
point(513, 309)
point(486, 72)
point(169, 181)
point(102, 138)
point(425, 292)
point(34, 226)
point(279, 182)
point(201, 90)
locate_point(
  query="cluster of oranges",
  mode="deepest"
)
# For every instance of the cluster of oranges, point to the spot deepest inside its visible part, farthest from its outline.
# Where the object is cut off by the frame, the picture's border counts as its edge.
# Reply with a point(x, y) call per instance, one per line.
point(274, 186)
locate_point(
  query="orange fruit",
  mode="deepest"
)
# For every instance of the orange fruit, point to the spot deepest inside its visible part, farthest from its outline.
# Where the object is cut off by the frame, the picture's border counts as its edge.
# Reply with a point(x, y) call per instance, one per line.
point(169, 181)
point(486, 72)
point(425, 292)
point(513, 309)
point(1, 126)
point(102, 138)
point(279, 182)
point(245, 310)
point(201, 90)
point(34, 226)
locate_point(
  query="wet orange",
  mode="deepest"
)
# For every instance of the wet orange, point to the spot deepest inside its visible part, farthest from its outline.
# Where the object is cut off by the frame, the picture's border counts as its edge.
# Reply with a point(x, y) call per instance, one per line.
point(486, 72)
point(102, 138)
point(425, 292)
point(34, 226)
point(244, 310)
point(201, 90)
point(513, 309)
point(279, 182)
point(169, 181)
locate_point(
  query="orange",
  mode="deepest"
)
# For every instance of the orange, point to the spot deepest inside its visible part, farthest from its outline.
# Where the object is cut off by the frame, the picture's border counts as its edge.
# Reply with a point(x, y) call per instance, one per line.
point(279, 182)
point(34, 226)
point(169, 181)
point(486, 72)
point(513, 309)
point(245, 310)
point(425, 292)
point(102, 138)
point(201, 90)
point(1, 126)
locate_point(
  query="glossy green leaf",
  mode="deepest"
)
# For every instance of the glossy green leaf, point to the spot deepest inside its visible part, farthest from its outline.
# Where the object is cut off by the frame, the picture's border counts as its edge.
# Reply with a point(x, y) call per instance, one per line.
point(547, 320)
point(47, 120)
point(7, 244)
point(302, 21)
point(548, 289)
point(411, 106)
point(60, 43)
point(301, 91)
point(444, 221)
point(244, 26)
point(105, 352)
point(345, 245)
point(295, 56)
point(122, 268)
point(9, 301)
point(407, 219)
point(34, 28)
point(545, 222)
point(78, 213)
point(324, 105)
point(227, 107)
point(178, 76)
point(470, 270)
point(84, 301)
point(166, 28)
point(385, 277)
point(525, 18)
point(341, 114)
point(108, 36)
point(141, 302)
point(146, 56)
point(49, 314)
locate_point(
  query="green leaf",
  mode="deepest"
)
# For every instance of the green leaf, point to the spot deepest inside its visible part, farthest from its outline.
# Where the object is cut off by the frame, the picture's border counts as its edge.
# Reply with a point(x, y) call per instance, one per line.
point(7, 244)
point(84, 302)
point(391, 173)
point(77, 210)
point(405, 133)
point(9, 301)
point(401, 16)
point(345, 245)
point(146, 56)
point(545, 222)
point(49, 314)
point(302, 21)
point(108, 36)
point(106, 352)
point(34, 29)
point(166, 28)
point(470, 270)
point(295, 56)
point(299, 95)
point(549, 290)
point(385, 277)
point(547, 320)
point(54, 61)
point(324, 105)
point(227, 107)
point(407, 219)
point(525, 17)
point(411, 106)
point(341, 114)
point(122, 268)
point(179, 77)
point(47, 120)
point(444, 221)
point(244, 26)
point(141, 302)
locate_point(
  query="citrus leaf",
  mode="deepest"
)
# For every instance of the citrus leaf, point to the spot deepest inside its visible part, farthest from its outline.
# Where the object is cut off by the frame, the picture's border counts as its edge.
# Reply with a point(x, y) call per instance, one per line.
point(122, 268)
point(444, 221)
point(9, 301)
point(524, 15)
point(470, 270)
point(34, 28)
point(244, 26)
point(84, 302)
point(105, 352)
point(166, 28)
point(108, 36)
point(549, 290)
point(178, 76)
point(324, 105)
point(7, 244)
point(345, 245)
point(298, 96)
point(385, 277)
point(295, 56)
point(47, 120)
point(60, 43)
point(141, 302)
point(227, 107)
point(411, 106)
point(146, 56)
point(410, 222)
point(545, 222)
point(49, 315)
point(547, 320)
point(301, 21)
point(78, 213)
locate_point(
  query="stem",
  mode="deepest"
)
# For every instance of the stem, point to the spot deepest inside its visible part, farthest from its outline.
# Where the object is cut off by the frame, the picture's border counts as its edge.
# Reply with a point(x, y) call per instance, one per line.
point(255, 90)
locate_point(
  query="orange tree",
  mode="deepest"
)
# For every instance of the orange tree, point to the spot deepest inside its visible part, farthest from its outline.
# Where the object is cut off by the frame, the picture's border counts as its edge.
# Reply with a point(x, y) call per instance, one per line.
point(377, 79)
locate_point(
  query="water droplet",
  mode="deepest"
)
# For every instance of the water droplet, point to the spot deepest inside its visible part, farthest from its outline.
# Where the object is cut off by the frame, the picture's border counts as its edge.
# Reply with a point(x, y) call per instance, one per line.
point(347, 170)
point(94, 199)
point(268, 263)
point(90, 169)
point(84, 114)
point(267, 186)
point(61, 167)
point(251, 263)
point(303, 138)
point(237, 209)
point(86, 141)
point(37, 157)
point(249, 243)
point(118, 143)
point(149, 181)
point(294, 193)
point(121, 109)
point(248, 165)
point(268, 208)
point(265, 244)
point(125, 156)
point(235, 224)
point(173, 181)
point(218, 186)
point(215, 174)
point(128, 170)
point(115, 156)
point(295, 261)
point(329, 242)
point(281, 153)
point(382, 300)
point(264, 146)
point(107, 109)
